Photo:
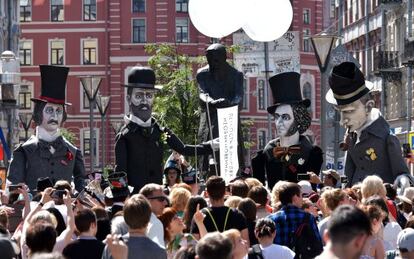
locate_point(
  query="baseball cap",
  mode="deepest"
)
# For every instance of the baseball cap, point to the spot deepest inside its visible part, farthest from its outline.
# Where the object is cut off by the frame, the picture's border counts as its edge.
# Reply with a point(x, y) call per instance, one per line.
point(405, 240)
point(306, 188)
point(332, 173)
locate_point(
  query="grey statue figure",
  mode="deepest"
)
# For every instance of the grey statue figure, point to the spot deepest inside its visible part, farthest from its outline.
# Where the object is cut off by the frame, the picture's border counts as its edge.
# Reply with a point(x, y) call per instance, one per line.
point(220, 86)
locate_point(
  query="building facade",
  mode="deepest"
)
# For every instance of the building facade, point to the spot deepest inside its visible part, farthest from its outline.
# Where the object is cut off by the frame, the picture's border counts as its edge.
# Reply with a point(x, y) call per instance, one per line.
point(107, 38)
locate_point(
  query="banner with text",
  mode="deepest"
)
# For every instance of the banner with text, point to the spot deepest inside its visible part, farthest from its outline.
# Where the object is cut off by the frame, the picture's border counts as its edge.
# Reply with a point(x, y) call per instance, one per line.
point(229, 162)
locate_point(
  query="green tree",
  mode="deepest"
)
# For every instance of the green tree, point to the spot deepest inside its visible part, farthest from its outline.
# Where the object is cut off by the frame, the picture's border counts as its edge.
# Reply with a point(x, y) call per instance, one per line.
point(69, 135)
point(176, 106)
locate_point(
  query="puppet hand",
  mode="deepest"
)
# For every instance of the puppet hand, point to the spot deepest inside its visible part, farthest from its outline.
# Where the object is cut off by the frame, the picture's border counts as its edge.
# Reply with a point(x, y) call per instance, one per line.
point(215, 144)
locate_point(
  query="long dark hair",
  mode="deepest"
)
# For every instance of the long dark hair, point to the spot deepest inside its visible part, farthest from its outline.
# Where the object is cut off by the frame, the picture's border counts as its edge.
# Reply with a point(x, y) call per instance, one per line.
point(190, 210)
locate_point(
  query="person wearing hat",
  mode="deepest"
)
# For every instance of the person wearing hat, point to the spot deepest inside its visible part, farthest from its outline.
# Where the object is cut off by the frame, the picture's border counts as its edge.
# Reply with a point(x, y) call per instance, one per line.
point(172, 174)
point(371, 147)
point(48, 153)
point(220, 86)
point(141, 141)
point(291, 153)
point(405, 243)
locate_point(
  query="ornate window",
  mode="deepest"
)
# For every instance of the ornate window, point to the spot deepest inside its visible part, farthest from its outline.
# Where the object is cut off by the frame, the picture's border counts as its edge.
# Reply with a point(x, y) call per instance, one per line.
point(138, 31)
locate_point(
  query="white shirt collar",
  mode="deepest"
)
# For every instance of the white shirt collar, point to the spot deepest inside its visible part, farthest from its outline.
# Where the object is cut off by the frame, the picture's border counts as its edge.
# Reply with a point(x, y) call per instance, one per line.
point(373, 116)
point(42, 134)
point(137, 120)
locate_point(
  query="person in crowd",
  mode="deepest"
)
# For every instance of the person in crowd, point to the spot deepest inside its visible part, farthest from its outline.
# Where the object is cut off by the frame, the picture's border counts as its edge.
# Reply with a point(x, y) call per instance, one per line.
point(306, 188)
point(179, 198)
point(103, 223)
point(172, 175)
point(217, 216)
point(248, 207)
point(265, 231)
point(40, 237)
point(232, 202)
point(239, 188)
point(410, 222)
point(118, 184)
point(37, 215)
point(140, 142)
point(48, 153)
point(275, 195)
point(117, 247)
point(373, 185)
point(374, 246)
point(391, 227)
point(405, 243)
point(190, 209)
point(291, 153)
point(188, 252)
point(158, 201)
point(214, 245)
point(310, 207)
point(86, 246)
point(240, 246)
point(191, 178)
point(407, 200)
point(347, 233)
point(137, 214)
point(252, 182)
point(259, 195)
point(331, 199)
point(291, 215)
point(173, 232)
point(372, 149)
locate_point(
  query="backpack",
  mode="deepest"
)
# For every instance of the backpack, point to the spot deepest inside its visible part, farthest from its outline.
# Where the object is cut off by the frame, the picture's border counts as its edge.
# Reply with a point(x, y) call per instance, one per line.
point(304, 241)
point(255, 252)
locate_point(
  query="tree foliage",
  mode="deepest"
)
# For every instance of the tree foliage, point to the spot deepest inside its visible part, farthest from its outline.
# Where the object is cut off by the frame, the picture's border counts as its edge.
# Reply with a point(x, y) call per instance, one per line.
point(176, 106)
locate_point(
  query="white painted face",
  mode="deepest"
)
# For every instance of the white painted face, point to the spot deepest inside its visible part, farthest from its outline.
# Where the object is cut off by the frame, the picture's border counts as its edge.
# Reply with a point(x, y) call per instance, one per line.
point(283, 119)
point(353, 115)
point(141, 102)
point(52, 117)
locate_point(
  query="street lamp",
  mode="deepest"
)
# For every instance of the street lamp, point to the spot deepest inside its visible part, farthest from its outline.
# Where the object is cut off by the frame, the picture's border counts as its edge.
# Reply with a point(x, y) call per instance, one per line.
point(322, 46)
point(90, 86)
point(9, 77)
point(103, 104)
point(26, 120)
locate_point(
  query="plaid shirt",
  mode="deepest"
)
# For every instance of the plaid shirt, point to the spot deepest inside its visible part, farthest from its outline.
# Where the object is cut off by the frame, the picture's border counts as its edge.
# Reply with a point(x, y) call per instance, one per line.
point(287, 220)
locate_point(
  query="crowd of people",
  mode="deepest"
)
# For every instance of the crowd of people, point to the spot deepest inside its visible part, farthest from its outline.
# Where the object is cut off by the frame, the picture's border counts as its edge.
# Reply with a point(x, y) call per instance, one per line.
point(243, 219)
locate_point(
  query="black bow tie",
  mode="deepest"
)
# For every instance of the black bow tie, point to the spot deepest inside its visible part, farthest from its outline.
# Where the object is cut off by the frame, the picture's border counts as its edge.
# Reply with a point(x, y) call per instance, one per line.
point(55, 144)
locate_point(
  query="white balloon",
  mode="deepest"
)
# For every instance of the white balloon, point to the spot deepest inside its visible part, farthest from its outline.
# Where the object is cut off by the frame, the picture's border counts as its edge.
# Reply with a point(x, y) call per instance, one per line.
point(217, 18)
point(268, 20)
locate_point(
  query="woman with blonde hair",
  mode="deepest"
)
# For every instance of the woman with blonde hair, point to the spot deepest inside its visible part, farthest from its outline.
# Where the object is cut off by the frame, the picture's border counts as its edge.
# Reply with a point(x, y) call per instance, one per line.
point(233, 202)
point(179, 198)
point(240, 246)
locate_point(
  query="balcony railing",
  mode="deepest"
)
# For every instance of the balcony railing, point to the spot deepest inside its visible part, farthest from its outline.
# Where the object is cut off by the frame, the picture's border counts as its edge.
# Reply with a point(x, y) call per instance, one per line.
point(386, 61)
point(390, 1)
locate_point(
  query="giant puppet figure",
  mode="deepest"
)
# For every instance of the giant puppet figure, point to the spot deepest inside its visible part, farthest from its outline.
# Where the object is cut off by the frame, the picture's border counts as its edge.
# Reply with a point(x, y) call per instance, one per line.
point(290, 153)
point(220, 86)
point(140, 143)
point(48, 153)
point(371, 149)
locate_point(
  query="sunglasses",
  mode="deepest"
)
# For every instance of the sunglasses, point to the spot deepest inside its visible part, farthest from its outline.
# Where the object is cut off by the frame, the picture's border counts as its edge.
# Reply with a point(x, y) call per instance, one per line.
point(159, 198)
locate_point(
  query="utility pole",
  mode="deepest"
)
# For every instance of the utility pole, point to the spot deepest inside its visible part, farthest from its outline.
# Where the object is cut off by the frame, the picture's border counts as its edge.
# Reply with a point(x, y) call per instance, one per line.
point(269, 119)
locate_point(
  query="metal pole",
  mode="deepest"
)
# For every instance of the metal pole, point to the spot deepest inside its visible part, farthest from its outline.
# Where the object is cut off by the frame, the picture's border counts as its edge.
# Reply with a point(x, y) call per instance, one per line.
point(367, 47)
point(323, 116)
point(409, 71)
point(269, 119)
point(337, 116)
point(91, 135)
point(103, 142)
point(211, 131)
point(383, 47)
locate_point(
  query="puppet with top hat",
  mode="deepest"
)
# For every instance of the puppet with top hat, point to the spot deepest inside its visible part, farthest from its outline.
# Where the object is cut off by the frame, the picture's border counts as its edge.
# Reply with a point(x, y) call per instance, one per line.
point(48, 153)
point(141, 142)
point(291, 153)
point(371, 149)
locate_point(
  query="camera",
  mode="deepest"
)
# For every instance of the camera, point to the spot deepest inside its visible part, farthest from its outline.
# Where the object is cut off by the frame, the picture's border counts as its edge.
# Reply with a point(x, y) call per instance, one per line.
point(14, 187)
point(58, 194)
point(303, 177)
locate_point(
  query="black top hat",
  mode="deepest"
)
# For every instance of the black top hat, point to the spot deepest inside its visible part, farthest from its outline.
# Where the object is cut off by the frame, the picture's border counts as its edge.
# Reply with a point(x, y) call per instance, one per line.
point(286, 90)
point(53, 88)
point(118, 183)
point(142, 77)
point(43, 183)
point(347, 84)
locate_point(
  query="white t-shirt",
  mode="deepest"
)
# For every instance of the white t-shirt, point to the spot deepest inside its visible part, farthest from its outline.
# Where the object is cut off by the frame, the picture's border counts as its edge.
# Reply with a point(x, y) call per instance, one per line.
point(155, 231)
point(277, 251)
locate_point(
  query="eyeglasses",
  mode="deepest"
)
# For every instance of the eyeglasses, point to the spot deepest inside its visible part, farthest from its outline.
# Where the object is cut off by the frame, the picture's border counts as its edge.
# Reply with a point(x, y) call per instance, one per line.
point(158, 198)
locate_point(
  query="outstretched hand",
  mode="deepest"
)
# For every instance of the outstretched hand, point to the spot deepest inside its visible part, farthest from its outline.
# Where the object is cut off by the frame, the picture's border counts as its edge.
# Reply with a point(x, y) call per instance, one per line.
point(198, 216)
